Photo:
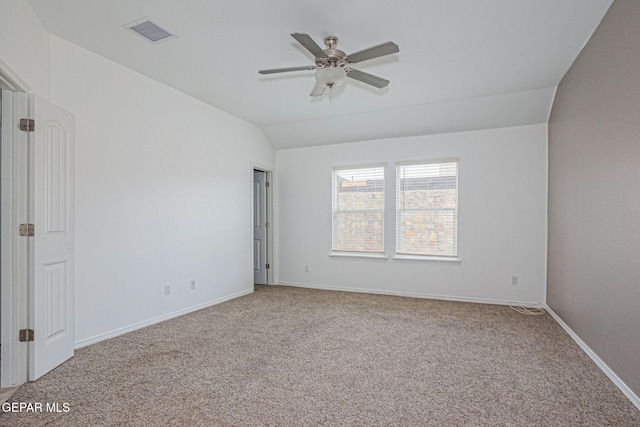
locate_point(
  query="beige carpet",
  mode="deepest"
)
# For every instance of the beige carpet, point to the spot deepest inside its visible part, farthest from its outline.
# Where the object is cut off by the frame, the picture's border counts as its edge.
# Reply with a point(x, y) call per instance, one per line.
point(295, 357)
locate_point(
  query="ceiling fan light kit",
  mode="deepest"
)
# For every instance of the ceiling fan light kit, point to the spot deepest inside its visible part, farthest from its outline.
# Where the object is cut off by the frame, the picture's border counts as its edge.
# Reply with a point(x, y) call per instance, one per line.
point(331, 76)
point(333, 65)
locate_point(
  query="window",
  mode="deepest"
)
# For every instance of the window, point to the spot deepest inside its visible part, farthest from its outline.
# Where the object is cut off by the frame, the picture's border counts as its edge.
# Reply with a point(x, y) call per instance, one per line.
point(427, 208)
point(358, 210)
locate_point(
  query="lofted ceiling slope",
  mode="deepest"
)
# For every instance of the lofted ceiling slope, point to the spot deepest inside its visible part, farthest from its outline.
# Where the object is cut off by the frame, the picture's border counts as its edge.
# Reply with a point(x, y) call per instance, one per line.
point(462, 65)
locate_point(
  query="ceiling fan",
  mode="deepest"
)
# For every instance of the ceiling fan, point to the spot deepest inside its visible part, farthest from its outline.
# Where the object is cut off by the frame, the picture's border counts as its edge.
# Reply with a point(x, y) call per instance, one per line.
point(333, 66)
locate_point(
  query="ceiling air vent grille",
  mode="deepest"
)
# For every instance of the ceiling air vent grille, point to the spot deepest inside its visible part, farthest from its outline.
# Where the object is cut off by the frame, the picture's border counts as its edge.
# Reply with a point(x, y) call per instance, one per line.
point(150, 31)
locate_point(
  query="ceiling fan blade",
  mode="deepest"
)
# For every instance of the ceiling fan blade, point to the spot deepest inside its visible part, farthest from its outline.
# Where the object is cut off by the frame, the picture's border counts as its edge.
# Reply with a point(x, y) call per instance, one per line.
point(367, 78)
point(285, 70)
point(374, 52)
point(308, 43)
point(318, 90)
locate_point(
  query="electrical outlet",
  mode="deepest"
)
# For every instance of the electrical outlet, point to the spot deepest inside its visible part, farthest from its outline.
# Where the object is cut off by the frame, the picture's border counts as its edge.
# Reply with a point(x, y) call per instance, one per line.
point(306, 268)
point(192, 284)
point(514, 280)
point(167, 289)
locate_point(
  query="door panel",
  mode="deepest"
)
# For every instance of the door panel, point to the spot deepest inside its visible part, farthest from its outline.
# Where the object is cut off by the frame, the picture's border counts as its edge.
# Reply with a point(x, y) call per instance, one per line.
point(259, 228)
point(52, 246)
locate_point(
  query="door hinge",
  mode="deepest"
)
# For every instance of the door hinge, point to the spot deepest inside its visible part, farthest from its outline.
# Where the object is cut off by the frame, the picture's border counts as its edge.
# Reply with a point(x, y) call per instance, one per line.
point(268, 267)
point(27, 125)
point(26, 335)
point(266, 225)
point(266, 184)
point(27, 230)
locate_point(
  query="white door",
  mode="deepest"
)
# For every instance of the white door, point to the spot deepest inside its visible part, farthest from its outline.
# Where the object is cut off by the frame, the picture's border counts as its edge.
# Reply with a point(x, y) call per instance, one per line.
point(260, 224)
point(51, 253)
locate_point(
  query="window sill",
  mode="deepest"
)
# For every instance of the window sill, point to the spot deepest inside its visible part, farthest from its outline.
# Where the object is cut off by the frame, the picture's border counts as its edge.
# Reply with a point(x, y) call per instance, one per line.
point(426, 258)
point(357, 255)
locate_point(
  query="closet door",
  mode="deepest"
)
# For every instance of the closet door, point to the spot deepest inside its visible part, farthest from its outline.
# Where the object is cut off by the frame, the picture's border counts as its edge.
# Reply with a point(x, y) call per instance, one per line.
point(51, 253)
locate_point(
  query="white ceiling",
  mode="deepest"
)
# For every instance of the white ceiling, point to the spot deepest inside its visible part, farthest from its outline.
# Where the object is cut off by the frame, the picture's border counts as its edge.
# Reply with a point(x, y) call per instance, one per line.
point(463, 64)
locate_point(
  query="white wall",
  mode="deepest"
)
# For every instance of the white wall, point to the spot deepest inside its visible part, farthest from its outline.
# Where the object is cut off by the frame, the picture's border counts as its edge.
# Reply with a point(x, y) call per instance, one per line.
point(162, 194)
point(502, 217)
point(24, 45)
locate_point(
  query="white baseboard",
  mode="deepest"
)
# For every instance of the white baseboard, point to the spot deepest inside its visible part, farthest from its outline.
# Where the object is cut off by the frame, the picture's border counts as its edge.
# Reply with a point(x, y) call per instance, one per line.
point(603, 366)
point(111, 334)
point(412, 294)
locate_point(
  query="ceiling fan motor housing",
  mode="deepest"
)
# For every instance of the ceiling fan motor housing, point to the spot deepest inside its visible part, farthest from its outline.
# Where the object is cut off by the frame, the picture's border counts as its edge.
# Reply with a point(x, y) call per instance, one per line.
point(335, 57)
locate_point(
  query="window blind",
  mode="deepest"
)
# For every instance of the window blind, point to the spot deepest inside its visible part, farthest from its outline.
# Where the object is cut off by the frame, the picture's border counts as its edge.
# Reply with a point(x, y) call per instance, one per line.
point(427, 208)
point(358, 209)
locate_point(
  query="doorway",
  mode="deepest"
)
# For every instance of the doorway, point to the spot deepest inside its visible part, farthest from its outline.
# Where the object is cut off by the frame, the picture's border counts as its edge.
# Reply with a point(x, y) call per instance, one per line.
point(1, 204)
point(14, 211)
point(36, 267)
point(261, 226)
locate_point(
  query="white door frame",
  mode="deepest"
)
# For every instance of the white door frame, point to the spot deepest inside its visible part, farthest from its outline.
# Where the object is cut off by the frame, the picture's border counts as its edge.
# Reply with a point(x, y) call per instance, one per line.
point(15, 249)
point(270, 211)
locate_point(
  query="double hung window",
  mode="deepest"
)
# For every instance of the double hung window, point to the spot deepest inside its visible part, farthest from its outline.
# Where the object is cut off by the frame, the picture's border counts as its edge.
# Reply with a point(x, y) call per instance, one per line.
point(427, 208)
point(358, 210)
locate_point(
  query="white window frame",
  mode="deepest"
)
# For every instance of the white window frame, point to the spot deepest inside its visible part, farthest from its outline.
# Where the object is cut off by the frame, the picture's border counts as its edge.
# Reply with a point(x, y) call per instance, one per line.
point(335, 210)
point(400, 255)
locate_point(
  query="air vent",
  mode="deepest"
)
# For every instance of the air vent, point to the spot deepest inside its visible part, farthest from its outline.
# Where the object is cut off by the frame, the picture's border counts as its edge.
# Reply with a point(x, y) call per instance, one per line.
point(150, 31)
